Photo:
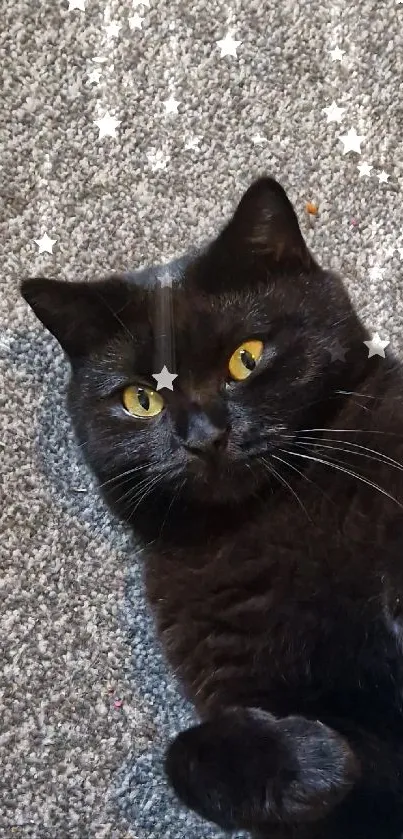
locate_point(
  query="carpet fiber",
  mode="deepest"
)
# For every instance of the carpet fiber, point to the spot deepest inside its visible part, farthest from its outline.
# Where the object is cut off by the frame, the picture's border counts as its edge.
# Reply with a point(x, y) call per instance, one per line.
point(86, 702)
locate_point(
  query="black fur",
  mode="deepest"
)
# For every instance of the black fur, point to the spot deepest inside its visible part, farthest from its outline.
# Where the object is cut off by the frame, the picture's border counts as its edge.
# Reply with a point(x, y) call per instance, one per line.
point(274, 559)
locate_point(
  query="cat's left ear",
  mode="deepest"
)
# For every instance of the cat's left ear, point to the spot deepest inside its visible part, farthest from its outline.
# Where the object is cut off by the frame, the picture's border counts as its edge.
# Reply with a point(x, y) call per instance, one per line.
point(80, 315)
point(265, 223)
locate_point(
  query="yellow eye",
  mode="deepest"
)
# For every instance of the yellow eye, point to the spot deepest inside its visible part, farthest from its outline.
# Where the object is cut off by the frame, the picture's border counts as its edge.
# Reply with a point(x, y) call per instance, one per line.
point(244, 360)
point(141, 402)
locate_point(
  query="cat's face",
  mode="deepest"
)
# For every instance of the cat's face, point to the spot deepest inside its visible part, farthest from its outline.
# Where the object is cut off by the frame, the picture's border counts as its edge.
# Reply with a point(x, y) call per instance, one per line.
point(245, 324)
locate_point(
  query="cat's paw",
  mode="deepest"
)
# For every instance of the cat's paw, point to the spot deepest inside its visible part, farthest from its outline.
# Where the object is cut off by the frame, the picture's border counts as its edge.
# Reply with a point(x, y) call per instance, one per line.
point(245, 769)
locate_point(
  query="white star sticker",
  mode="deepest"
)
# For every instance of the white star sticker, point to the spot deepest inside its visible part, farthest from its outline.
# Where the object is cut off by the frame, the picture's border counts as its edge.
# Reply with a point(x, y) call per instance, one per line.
point(334, 113)
point(376, 272)
point(158, 160)
point(383, 177)
point(228, 45)
point(45, 244)
point(376, 346)
point(164, 379)
point(112, 30)
point(192, 144)
point(364, 169)
point(107, 126)
point(337, 54)
point(351, 141)
point(76, 4)
point(171, 105)
point(94, 76)
point(337, 351)
point(259, 139)
point(136, 21)
point(165, 278)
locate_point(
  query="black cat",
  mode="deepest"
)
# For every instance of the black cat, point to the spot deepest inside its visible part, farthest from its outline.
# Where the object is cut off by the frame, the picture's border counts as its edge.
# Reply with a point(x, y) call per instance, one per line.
point(267, 486)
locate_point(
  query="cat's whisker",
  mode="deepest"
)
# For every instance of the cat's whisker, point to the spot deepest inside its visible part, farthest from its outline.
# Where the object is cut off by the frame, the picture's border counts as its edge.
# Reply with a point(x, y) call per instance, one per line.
point(341, 468)
point(134, 492)
point(273, 471)
point(131, 494)
point(174, 497)
point(153, 483)
point(128, 480)
point(100, 435)
point(122, 474)
point(302, 475)
point(347, 451)
point(352, 314)
point(380, 456)
point(349, 431)
point(360, 405)
point(357, 393)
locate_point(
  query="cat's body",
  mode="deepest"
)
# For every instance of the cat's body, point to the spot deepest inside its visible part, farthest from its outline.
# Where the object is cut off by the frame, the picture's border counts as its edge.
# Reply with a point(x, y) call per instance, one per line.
point(271, 511)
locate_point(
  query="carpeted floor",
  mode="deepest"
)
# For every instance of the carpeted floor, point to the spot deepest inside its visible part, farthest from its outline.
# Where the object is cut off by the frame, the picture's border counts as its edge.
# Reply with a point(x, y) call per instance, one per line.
point(86, 703)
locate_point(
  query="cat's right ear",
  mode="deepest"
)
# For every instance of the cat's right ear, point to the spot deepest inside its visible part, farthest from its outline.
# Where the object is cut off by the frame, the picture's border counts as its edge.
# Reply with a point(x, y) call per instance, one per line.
point(80, 315)
point(265, 224)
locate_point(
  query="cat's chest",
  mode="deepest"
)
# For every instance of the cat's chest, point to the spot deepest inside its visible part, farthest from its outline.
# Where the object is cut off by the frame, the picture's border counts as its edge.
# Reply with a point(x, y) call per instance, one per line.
point(269, 605)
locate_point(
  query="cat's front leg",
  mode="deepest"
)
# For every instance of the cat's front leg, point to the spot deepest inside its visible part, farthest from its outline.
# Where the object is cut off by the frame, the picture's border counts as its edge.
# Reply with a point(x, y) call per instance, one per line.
point(245, 769)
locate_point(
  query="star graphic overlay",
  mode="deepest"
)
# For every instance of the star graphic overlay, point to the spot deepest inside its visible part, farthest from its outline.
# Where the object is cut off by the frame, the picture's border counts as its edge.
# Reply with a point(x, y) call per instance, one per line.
point(337, 351)
point(351, 141)
point(45, 244)
point(136, 21)
point(228, 45)
point(376, 272)
point(171, 105)
point(364, 169)
point(337, 54)
point(165, 378)
point(158, 160)
point(259, 139)
point(76, 4)
point(376, 346)
point(334, 113)
point(95, 76)
point(112, 29)
point(107, 126)
point(192, 144)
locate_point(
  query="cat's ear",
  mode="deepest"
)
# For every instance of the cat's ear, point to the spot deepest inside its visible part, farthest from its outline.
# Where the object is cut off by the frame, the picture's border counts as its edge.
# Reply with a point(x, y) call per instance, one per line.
point(80, 315)
point(265, 223)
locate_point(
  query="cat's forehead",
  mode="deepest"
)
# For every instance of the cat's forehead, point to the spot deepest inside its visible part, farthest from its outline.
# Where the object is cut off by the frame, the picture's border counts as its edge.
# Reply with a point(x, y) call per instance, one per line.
point(199, 318)
point(204, 311)
point(191, 309)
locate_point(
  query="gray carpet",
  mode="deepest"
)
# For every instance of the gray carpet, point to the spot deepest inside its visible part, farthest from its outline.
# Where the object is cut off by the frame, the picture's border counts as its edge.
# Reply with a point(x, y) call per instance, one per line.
point(86, 702)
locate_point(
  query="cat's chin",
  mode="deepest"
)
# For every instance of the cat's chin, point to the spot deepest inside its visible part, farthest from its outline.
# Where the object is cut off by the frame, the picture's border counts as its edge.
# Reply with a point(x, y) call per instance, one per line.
point(224, 484)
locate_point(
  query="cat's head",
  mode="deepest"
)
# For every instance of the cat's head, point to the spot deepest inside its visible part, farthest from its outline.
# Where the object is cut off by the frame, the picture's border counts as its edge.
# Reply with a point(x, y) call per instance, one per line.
point(253, 322)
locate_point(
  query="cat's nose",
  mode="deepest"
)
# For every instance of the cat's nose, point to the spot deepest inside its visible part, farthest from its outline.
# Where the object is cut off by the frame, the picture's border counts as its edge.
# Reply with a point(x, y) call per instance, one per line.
point(207, 443)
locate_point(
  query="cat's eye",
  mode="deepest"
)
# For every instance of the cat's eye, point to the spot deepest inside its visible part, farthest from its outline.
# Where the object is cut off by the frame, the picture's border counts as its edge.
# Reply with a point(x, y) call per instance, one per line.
point(244, 360)
point(142, 402)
